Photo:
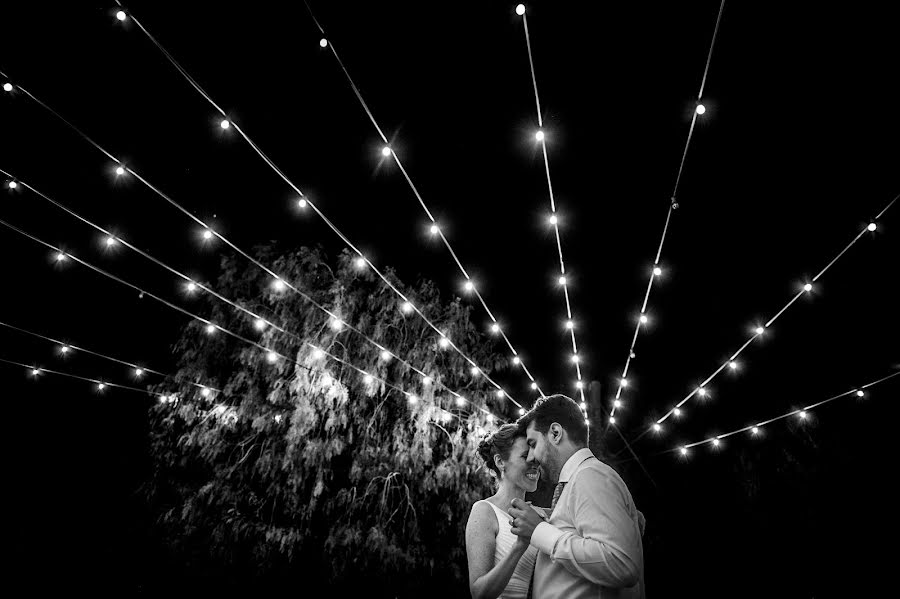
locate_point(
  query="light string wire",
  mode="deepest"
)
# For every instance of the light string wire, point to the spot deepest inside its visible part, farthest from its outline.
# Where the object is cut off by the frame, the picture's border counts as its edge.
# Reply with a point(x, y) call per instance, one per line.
point(758, 332)
point(755, 428)
point(66, 347)
point(554, 220)
point(268, 351)
point(435, 228)
point(673, 204)
point(335, 319)
point(102, 383)
point(315, 208)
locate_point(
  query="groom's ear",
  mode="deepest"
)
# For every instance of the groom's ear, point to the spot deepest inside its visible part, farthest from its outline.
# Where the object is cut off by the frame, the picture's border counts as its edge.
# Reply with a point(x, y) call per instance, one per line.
point(555, 433)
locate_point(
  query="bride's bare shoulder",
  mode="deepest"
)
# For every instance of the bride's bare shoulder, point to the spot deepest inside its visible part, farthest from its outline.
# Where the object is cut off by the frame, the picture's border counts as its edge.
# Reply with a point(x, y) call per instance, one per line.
point(482, 515)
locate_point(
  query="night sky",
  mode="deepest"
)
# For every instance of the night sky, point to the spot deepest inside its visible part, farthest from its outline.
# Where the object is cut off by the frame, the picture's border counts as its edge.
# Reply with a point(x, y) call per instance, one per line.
point(796, 153)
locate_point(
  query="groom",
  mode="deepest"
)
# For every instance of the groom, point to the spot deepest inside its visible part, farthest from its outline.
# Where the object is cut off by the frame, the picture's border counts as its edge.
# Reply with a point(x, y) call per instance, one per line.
point(591, 544)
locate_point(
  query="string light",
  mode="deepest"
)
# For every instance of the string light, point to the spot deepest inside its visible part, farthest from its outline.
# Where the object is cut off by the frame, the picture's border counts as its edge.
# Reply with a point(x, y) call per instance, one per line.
point(412, 398)
point(7, 87)
point(617, 403)
point(500, 394)
point(64, 349)
point(121, 15)
point(224, 124)
point(460, 401)
point(443, 342)
point(521, 411)
point(272, 357)
point(35, 371)
point(474, 371)
point(101, 386)
point(323, 43)
point(406, 307)
point(259, 324)
point(570, 325)
point(278, 285)
point(684, 451)
point(701, 392)
point(539, 136)
point(207, 235)
point(579, 385)
point(554, 220)
point(426, 381)
point(386, 152)
point(612, 419)
point(205, 391)
point(701, 109)
point(561, 280)
point(60, 257)
point(860, 393)
point(732, 364)
point(435, 229)
point(336, 325)
point(657, 427)
point(760, 330)
point(520, 9)
point(807, 287)
point(495, 328)
point(318, 354)
point(872, 227)
point(534, 386)
point(673, 205)
point(756, 428)
point(360, 263)
point(138, 372)
point(516, 360)
point(110, 241)
point(210, 328)
point(469, 286)
point(623, 382)
point(367, 379)
point(120, 171)
point(191, 287)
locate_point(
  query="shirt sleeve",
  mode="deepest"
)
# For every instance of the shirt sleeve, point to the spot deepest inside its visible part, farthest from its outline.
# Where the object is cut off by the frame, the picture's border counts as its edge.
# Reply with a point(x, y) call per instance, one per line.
point(605, 547)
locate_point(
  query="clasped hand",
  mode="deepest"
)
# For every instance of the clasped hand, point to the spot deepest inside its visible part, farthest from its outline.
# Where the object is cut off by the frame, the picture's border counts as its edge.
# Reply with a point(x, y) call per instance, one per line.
point(523, 519)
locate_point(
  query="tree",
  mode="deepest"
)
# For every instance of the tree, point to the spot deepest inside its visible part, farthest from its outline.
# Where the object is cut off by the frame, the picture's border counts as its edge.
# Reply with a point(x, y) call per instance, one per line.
point(307, 474)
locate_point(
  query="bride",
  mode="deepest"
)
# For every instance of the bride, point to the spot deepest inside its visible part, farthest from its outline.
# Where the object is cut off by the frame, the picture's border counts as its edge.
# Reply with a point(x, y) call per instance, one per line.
point(501, 563)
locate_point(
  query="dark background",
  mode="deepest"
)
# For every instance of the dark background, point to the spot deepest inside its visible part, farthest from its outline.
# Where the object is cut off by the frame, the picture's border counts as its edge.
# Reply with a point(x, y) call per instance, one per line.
point(797, 152)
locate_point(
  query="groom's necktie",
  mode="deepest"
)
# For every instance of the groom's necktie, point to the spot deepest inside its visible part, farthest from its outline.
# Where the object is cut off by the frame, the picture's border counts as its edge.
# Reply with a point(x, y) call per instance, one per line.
point(556, 493)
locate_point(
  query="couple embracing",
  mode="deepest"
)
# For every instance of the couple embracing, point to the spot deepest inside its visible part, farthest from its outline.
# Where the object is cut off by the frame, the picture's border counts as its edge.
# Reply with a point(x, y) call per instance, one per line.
point(586, 544)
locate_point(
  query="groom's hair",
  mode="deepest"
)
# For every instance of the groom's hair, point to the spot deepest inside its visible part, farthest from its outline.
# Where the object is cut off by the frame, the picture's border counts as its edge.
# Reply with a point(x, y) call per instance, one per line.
point(560, 409)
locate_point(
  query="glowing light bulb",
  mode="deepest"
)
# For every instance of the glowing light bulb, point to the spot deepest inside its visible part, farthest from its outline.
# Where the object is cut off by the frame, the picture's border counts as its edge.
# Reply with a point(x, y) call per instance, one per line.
point(624, 382)
point(60, 257)
point(617, 403)
point(701, 392)
point(210, 329)
point(700, 109)
point(583, 405)
point(360, 262)
point(207, 235)
point(520, 9)
point(412, 398)
point(716, 442)
point(495, 328)
point(872, 226)
point(367, 379)
point(64, 349)
point(323, 43)
point(500, 394)
point(406, 307)
point(204, 392)
point(539, 135)
point(676, 412)
point(489, 418)
point(644, 319)
point(121, 15)
point(534, 386)
point(191, 286)
point(587, 422)
point(474, 371)
point(579, 385)
point(570, 325)
point(120, 171)
point(101, 386)
point(35, 371)
point(443, 342)
point(575, 359)
point(7, 87)
point(278, 418)
point(657, 271)
point(138, 372)
point(521, 411)
point(657, 427)
point(612, 419)
point(460, 401)
point(755, 430)
point(760, 330)
point(302, 203)
point(336, 325)
point(860, 393)
point(732, 365)
point(278, 285)
point(516, 360)
point(259, 324)
point(110, 241)
point(683, 450)
point(446, 416)
point(802, 415)
point(561, 280)
point(224, 124)
point(318, 354)
point(554, 220)
point(272, 357)
point(386, 151)
point(385, 355)
point(807, 287)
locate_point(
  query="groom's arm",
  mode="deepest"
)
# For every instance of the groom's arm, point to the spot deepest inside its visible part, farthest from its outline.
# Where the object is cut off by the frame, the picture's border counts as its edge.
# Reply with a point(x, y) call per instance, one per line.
point(605, 547)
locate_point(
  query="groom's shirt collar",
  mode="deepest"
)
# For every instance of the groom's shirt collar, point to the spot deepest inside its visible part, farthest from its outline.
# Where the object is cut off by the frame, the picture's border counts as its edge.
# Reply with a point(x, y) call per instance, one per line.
point(572, 464)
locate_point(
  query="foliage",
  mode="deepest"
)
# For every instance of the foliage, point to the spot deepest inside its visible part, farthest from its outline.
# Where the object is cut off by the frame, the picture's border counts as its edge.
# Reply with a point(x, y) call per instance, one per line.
point(304, 472)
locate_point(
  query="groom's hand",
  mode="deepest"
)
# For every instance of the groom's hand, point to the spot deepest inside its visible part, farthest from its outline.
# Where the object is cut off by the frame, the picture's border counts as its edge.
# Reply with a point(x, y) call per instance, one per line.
point(524, 518)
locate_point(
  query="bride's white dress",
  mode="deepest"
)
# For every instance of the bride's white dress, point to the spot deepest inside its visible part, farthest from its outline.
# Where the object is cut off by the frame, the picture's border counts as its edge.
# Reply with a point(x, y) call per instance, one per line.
point(521, 578)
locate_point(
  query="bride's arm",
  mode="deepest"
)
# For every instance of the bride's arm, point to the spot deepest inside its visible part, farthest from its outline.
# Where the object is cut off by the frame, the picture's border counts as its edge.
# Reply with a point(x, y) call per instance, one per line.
point(487, 579)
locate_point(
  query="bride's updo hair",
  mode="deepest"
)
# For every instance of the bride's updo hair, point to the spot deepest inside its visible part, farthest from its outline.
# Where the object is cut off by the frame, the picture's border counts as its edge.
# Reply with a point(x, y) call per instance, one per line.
point(500, 443)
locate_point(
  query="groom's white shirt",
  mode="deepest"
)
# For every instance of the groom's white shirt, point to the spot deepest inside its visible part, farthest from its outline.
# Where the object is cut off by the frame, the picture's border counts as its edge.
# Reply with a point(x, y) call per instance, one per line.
point(591, 546)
